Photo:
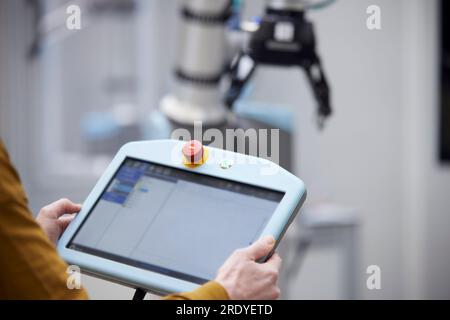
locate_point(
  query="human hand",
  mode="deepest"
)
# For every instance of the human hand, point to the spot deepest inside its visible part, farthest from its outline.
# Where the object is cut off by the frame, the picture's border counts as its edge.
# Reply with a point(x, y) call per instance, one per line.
point(55, 217)
point(245, 279)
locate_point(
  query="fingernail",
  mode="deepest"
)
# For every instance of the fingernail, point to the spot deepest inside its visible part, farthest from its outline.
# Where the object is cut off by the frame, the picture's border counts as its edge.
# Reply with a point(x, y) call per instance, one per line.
point(270, 240)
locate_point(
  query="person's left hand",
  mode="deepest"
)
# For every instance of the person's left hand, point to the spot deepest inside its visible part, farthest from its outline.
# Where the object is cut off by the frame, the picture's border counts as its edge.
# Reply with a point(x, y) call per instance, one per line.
point(55, 217)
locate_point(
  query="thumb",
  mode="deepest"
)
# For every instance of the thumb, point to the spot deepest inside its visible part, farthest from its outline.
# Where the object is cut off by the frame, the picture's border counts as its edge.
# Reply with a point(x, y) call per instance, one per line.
point(65, 220)
point(261, 248)
point(62, 207)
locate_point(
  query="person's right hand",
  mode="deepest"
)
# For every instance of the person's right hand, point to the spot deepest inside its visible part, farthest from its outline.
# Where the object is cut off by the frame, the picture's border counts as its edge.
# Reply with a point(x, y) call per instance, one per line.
point(245, 279)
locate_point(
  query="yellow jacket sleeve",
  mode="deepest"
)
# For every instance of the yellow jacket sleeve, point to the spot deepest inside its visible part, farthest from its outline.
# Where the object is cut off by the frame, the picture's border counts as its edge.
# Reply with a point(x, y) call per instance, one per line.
point(209, 291)
point(30, 267)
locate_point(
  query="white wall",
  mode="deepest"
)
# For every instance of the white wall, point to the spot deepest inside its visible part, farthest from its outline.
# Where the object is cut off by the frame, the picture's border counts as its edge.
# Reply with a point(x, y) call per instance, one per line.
point(427, 182)
point(358, 157)
point(380, 151)
point(15, 35)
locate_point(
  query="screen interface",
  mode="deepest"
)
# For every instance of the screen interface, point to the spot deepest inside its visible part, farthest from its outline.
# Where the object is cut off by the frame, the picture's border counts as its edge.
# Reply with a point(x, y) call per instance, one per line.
point(172, 221)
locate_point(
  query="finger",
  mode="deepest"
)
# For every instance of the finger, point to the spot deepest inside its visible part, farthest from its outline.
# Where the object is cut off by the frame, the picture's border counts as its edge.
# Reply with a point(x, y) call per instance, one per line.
point(260, 248)
point(65, 220)
point(61, 207)
point(274, 262)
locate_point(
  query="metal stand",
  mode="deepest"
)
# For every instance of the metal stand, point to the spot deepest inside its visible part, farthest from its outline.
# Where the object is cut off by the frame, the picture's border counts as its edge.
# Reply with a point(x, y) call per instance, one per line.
point(139, 295)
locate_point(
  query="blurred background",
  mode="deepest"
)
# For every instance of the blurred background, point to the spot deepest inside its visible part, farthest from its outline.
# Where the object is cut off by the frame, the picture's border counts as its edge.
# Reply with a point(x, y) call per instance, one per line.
point(378, 174)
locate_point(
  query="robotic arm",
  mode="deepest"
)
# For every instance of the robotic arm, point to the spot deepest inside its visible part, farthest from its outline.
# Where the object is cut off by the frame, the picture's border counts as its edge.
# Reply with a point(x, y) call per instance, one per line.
point(284, 38)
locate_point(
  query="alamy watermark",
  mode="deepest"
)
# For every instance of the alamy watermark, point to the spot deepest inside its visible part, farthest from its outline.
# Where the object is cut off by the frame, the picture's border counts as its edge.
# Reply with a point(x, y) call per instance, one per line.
point(73, 21)
point(373, 21)
point(74, 277)
point(262, 145)
point(374, 279)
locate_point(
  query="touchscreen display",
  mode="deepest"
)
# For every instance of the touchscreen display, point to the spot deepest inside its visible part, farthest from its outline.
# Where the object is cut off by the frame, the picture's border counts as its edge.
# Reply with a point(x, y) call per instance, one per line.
point(172, 221)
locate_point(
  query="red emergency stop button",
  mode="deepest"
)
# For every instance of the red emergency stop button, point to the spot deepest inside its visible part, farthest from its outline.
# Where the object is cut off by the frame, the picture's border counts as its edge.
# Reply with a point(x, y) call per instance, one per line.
point(193, 152)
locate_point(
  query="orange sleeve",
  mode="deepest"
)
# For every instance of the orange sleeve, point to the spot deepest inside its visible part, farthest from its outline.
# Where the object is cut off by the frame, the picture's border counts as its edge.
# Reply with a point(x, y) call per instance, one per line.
point(30, 267)
point(209, 291)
